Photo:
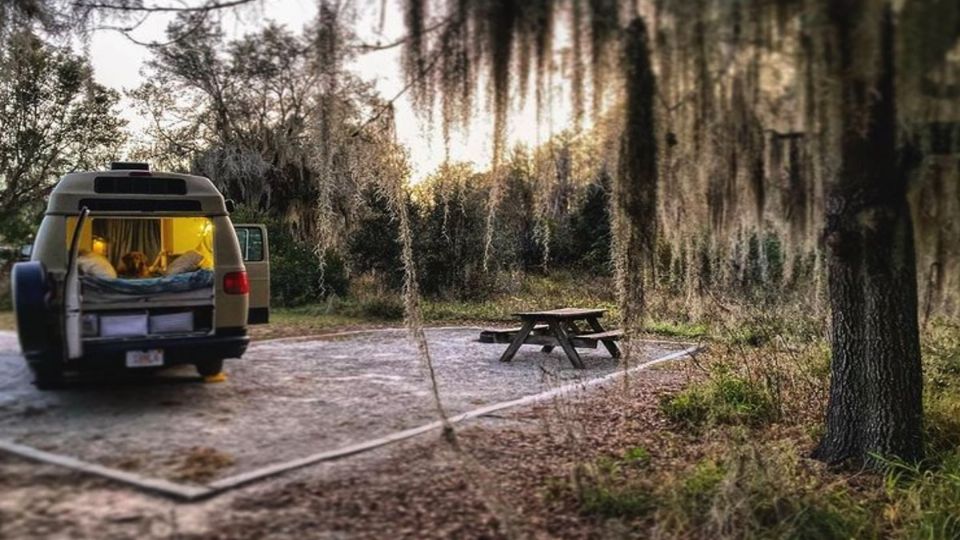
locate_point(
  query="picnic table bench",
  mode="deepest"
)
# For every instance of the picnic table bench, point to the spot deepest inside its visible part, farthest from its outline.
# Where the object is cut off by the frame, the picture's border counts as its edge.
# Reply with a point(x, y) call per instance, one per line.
point(557, 327)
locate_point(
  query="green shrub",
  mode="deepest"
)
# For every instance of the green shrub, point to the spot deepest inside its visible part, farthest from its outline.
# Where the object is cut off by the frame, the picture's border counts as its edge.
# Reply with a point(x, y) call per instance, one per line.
point(385, 307)
point(296, 278)
point(449, 238)
point(374, 245)
point(589, 230)
point(724, 398)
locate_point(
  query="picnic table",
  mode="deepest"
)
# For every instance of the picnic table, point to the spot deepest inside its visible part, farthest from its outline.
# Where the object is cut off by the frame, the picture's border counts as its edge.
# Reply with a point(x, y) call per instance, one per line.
point(557, 327)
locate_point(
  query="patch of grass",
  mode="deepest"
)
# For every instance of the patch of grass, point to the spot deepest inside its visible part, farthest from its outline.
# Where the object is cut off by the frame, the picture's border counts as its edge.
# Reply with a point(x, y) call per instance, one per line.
point(724, 398)
point(941, 356)
point(688, 408)
point(677, 329)
point(435, 310)
point(752, 326)
point(749, 335)
point(8, 320)
point(604, 487)
point(637, 456)
point(925, 501)
point(382, 308)
point(760, 491)
point(303, 321)
point(941, 360)
point(752, 491)
point(616, 501)
point(750, 478)
point(697, 489)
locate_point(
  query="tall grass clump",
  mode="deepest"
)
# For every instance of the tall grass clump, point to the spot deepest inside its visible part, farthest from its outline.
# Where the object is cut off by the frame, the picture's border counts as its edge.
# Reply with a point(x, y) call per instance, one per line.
point(613, 487)
point(725, 397)
point(924, 499)
point(760, 492)
point(747, 491)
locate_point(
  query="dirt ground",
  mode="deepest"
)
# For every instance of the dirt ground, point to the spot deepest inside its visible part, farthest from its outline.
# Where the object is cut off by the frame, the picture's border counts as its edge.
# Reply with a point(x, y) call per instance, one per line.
point(294, 397)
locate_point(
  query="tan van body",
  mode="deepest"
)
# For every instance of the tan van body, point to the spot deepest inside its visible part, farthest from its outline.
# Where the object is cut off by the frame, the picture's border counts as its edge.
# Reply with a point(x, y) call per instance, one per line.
point(201, 326)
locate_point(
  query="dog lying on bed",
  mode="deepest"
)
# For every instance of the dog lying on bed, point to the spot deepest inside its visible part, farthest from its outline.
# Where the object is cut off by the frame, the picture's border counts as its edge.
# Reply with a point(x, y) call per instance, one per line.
point(134, 265)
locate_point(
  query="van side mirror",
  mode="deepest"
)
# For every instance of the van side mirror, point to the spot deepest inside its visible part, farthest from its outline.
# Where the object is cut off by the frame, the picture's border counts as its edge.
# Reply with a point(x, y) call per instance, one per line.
point(231, 206)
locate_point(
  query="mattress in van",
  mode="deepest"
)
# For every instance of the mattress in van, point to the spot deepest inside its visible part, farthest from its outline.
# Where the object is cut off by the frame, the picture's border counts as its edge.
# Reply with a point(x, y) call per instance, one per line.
point(190, 286)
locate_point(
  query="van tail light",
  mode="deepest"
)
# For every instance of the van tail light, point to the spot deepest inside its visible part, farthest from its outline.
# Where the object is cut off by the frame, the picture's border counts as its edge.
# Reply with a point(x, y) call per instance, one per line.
point(236, 283)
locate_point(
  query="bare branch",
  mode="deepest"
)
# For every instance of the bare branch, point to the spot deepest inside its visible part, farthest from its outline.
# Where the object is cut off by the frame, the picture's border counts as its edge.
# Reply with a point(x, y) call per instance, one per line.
point(208, 6)
point(374, 47)
point(389, 105)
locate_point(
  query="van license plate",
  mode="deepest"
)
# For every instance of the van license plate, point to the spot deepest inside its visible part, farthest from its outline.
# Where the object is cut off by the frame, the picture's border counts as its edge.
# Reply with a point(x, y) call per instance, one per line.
point(148, 358)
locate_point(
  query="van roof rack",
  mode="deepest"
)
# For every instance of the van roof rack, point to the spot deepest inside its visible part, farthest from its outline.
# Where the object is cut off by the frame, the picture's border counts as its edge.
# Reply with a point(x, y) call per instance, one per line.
point(129, 166)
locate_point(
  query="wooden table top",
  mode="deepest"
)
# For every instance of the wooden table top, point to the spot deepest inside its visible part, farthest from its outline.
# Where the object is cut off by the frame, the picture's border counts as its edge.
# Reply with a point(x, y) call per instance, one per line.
point(562, 313)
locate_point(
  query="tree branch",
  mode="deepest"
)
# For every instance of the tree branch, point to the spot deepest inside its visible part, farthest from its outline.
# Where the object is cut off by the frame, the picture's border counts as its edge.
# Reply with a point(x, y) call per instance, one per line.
point(374, 47)
point(208, 6)
point(388, 105)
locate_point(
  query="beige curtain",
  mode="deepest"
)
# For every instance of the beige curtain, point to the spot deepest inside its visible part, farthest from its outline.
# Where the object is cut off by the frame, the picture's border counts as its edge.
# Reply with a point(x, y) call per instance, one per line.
point(126, 235)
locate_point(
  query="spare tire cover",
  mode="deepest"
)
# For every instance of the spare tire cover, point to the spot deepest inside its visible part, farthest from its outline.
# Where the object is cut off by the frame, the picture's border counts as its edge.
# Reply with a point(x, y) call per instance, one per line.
point(30, 302)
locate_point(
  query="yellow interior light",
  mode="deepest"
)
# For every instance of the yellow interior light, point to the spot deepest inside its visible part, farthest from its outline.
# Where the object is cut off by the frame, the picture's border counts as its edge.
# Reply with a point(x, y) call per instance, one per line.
point(99, 246)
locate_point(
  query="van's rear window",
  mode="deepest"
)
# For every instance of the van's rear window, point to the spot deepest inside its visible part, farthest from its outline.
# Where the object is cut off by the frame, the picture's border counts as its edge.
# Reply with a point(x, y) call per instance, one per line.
point(140, 185)
point(140, 205)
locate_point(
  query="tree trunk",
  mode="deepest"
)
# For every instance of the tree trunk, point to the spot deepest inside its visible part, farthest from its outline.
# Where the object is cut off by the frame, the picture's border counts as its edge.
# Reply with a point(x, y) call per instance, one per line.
point(875, 404)
point(635, 190)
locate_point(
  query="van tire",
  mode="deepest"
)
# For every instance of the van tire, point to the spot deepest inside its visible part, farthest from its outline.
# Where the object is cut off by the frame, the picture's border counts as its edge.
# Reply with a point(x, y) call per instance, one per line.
point(209, 368)
point(47, 373)
point(49, 380)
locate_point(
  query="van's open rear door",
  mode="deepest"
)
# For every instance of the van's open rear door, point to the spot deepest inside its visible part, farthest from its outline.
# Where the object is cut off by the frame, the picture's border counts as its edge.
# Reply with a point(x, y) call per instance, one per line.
point(71, 294)
point(256, 257)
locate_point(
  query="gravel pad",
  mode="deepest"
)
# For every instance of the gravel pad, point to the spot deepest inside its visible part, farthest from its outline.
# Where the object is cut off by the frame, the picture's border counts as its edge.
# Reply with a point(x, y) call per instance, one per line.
point(284, 400)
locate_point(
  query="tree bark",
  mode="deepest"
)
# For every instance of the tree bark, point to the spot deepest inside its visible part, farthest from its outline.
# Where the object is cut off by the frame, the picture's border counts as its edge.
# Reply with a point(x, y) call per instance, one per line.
point(635, 190)
point(875, 403)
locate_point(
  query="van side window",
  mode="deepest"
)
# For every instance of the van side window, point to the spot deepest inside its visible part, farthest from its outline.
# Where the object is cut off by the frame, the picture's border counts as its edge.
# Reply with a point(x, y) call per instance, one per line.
point(251, 243)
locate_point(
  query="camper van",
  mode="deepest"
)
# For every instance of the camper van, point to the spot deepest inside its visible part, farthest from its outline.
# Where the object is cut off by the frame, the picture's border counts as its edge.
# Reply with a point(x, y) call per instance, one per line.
point(137, 270)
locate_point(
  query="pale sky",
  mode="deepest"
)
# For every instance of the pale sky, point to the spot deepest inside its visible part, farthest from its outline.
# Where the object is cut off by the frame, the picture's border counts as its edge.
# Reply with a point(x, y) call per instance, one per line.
point(117, 63)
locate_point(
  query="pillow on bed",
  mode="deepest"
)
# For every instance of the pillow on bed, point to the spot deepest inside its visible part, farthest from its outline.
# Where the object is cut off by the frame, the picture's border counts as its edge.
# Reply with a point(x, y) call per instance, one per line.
point(188, 262)
point(93, 264)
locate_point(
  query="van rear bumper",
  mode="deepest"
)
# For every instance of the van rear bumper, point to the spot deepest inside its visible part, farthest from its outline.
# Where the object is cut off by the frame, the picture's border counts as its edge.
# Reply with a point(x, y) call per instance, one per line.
point(226, 343)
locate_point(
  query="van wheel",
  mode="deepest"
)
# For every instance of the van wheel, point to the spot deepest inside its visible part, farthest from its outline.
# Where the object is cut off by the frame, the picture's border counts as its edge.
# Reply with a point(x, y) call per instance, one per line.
point(47, 375)
point(209, 368)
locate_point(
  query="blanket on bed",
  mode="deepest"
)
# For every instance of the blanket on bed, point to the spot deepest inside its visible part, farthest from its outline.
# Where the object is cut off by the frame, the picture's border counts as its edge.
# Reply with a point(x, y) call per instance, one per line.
point(189, 281)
